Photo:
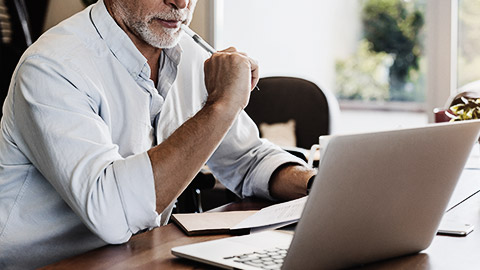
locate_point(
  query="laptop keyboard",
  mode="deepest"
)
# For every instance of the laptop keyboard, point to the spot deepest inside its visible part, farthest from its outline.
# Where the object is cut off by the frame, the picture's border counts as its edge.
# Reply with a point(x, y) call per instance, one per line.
point(265, 259)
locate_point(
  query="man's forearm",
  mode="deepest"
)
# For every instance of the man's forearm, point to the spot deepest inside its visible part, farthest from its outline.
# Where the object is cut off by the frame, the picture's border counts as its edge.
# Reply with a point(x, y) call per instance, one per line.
point(229, 78)
point(290, 182)
point(180, 157)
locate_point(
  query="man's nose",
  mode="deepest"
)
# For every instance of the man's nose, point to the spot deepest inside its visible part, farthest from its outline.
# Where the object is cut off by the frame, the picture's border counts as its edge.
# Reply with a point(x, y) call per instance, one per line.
point(177, 4)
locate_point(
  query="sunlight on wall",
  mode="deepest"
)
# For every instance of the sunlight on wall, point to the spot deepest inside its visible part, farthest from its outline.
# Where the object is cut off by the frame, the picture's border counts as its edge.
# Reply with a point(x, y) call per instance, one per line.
point(290, 38)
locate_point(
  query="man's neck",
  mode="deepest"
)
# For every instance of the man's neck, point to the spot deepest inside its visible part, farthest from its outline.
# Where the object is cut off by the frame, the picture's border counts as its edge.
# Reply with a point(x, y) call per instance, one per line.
point(151, 53)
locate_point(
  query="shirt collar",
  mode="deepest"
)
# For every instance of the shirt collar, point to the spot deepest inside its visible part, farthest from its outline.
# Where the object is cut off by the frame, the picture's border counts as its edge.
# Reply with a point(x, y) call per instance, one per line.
point(122, 46)
point(174, 54)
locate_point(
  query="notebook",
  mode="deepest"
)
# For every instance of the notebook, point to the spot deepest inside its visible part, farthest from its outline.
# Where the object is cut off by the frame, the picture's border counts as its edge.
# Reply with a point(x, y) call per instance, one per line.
point(376, 196)
point(241, 222)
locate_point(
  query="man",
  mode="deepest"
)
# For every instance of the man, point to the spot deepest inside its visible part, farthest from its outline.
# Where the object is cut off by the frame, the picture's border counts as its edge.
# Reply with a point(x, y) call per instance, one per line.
point(109, 116)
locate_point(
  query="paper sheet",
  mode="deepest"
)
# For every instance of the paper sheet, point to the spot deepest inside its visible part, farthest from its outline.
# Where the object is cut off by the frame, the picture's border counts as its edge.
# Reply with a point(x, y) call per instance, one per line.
point(281, 214)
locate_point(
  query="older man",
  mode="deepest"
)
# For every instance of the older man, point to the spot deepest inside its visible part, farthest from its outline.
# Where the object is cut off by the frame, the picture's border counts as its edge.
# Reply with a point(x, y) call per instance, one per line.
point(109, 116)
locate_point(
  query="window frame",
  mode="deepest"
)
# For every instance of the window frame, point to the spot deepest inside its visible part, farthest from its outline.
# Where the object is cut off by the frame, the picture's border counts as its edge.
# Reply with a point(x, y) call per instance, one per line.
point(442, 52)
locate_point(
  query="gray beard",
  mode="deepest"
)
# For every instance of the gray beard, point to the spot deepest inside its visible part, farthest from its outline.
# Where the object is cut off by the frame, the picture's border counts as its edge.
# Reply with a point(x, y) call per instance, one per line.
point(166, 40)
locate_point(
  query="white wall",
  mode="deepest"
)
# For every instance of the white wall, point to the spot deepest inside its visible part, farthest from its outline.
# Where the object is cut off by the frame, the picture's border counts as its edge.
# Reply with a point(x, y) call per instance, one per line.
point(58, 10)
point(202, 20)
point(293, 38)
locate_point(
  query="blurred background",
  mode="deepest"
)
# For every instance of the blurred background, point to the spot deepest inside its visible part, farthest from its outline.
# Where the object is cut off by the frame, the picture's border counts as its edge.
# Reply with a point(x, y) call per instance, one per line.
point(371, 54)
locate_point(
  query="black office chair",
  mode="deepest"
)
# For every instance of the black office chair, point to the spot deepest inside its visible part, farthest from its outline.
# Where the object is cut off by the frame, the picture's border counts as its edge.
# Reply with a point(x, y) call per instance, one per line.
point(191, 199)
point(21, 23)
point(279, 100)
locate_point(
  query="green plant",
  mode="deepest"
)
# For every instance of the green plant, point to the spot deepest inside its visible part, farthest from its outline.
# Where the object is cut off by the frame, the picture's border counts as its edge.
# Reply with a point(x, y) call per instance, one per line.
point(393, 27)
point(465, 109)
point(364, 75)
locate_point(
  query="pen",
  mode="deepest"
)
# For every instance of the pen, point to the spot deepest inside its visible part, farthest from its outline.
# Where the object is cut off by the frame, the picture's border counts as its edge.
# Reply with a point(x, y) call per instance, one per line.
point(201, 42)
point(198, 39)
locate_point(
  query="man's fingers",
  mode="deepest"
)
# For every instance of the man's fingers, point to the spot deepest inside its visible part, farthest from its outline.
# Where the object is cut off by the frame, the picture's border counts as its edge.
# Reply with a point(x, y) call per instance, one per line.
point(255, 73)
point(233, 50)
point(253, 64)
point(229, 50)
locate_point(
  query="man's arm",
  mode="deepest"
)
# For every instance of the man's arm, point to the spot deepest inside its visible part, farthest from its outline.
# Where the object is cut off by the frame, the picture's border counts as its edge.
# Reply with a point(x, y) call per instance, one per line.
point(229, 78)
point(180, 157)
point(290, 181)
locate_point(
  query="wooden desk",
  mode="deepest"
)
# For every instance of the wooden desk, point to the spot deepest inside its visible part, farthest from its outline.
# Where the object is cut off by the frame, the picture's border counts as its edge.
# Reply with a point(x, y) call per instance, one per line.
point(151, 250)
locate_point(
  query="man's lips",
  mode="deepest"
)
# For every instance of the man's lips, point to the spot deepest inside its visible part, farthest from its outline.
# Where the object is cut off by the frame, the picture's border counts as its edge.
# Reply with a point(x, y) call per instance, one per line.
point(169, 23)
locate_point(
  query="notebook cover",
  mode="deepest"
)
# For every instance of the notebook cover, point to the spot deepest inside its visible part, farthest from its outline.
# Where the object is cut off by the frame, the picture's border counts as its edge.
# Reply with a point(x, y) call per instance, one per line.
point(211, 222)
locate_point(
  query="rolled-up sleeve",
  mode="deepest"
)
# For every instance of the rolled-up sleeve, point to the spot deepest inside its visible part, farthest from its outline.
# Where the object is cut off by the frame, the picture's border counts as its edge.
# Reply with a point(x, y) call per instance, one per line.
point(60, 131)
point(138, 201)
point(244, 163)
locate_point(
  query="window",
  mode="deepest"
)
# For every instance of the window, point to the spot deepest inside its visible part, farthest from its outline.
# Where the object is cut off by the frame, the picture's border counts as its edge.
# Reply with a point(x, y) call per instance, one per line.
point(387, 63)
point(468, 42)
point(324, 41)
point(328, 43)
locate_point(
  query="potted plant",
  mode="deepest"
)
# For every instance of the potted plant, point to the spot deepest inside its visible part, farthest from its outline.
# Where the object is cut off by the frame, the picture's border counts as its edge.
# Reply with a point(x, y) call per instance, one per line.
point(464, 108)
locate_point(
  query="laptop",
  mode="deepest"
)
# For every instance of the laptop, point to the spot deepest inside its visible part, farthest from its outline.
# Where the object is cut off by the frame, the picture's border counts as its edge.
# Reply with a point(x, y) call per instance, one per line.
point(376, 196)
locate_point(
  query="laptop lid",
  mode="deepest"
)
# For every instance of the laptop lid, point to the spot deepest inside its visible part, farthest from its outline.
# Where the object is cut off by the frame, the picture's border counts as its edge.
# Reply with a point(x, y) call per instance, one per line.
point(380, 195)
point(376, 196)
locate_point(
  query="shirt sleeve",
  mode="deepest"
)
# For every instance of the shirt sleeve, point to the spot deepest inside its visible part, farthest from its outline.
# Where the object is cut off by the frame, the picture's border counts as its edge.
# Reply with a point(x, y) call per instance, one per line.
point(244, 163)
point(62, 134)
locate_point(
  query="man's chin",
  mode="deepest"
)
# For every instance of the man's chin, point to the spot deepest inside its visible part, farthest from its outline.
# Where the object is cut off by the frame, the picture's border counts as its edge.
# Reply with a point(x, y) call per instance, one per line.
point(164, 42)
point(170, 44)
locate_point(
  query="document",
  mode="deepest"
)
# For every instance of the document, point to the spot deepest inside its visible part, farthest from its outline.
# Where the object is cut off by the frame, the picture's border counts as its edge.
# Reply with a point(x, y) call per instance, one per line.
point(276, 215)
point(241, 222)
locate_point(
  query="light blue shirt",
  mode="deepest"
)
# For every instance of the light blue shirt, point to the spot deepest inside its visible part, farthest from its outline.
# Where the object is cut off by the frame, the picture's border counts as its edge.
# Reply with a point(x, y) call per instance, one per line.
point(79, 117)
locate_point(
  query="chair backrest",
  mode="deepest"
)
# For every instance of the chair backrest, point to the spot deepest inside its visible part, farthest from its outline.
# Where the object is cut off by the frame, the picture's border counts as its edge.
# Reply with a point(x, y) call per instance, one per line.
point(20, 24)
point(281, 99)
point(16, 30)
point(15, 37)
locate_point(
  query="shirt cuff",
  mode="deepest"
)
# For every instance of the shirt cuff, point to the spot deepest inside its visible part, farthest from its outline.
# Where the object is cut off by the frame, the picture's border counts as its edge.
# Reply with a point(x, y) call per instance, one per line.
point(265, 170)
point(136, 187)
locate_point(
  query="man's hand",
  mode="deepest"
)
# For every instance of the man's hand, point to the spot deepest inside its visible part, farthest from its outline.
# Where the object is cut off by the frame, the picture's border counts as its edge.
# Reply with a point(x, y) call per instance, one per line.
point(229, 78)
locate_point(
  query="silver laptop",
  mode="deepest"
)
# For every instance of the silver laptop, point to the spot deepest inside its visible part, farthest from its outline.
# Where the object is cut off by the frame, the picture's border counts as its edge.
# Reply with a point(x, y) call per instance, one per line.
point(376, 196)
